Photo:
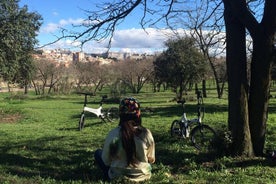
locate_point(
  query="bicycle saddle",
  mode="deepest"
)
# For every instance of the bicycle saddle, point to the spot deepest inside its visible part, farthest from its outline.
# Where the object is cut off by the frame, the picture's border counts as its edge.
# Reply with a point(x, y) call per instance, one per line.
point(181, 101)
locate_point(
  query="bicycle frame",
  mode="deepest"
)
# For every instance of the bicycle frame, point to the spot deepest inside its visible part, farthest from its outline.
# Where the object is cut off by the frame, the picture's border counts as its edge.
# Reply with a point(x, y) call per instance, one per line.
point(190, 122)
point(97, 112)
point(202, 136)
point(110, 114)
point(187, 123)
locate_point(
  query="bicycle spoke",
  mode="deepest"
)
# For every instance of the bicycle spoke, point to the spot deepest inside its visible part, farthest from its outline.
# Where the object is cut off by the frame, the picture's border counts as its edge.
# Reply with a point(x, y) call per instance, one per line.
point(113, 114)
point(176, 129)
point(203, 138)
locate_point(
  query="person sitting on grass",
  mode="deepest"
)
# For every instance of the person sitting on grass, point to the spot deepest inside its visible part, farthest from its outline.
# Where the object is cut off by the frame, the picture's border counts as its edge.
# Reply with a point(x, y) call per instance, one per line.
point(129, 149)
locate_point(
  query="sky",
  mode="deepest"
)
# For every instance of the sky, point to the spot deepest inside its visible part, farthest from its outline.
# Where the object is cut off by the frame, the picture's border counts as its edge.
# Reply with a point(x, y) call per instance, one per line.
point(129, 37)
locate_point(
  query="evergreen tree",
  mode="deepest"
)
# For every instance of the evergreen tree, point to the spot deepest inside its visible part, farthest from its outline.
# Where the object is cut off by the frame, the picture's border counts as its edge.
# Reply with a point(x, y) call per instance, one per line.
point(18, 29)
point(180, 65)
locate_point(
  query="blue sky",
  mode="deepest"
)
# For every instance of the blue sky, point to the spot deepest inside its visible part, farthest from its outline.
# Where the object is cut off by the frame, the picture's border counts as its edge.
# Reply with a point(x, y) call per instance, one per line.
point(62, 13)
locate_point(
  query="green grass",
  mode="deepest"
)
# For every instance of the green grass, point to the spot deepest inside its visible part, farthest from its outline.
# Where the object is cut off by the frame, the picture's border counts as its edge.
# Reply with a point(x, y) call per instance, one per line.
point(44, 145)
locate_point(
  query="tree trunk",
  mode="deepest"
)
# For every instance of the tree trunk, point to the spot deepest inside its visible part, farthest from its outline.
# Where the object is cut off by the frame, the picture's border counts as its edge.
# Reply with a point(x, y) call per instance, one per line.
point(238, 120)
point(218, 88)
point(26, 89)
point(263, 36)
point(204, 93)
point(259, 91)
point(26, 86)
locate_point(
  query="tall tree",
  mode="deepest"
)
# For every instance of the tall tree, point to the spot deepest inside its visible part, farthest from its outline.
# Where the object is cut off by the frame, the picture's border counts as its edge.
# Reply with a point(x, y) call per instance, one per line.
point(18, 29)
point(238, 16)
point(204, 22)
point(237, 85)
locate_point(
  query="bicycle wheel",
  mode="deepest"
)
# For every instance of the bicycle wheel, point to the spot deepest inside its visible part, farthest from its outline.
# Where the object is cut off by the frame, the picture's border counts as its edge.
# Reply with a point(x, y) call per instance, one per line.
point(203, 138)
point(113, 114)
point(176, 129)
point(81, 122)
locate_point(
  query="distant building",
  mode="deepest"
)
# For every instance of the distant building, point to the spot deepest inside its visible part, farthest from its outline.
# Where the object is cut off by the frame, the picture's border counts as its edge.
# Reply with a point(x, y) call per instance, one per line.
point(78, 56)
point(116, 55)
point(125, 55)
point(66, 57)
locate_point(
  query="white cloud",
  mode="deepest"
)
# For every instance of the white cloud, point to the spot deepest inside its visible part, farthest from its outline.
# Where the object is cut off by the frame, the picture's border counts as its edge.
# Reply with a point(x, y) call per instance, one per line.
point(138, 38)
point(52, 27)
point(70, 21)
point(65, 44)
point(127, 40)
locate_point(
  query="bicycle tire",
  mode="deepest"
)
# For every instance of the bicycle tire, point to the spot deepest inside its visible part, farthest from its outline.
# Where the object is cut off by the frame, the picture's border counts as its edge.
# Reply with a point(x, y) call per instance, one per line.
point(81, 122)
point(113, 114)
point(203, 138)
point(176, 129)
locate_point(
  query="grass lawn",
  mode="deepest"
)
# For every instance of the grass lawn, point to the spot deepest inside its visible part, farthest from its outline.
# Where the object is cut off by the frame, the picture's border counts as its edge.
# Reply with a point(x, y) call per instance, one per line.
point(40, 142)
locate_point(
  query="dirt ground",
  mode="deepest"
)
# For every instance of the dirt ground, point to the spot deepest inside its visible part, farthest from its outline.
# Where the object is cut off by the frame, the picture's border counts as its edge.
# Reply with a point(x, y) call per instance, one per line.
point(9, 118)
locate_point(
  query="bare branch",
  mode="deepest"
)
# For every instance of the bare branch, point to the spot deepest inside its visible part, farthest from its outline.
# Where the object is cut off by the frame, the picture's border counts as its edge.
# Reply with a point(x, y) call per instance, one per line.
point(100, 24)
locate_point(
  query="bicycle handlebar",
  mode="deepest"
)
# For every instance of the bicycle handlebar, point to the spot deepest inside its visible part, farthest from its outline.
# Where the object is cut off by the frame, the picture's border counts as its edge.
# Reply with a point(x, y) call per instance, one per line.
point(200, 104)
point(198, 93)
point(86, 93)
point(199, 97)
point(181, 101)
point(200, 107)
point(91, 94)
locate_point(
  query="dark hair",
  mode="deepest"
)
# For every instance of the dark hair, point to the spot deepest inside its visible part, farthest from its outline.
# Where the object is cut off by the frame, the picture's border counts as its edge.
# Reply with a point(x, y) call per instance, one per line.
point(131, 126)
point(129, 129)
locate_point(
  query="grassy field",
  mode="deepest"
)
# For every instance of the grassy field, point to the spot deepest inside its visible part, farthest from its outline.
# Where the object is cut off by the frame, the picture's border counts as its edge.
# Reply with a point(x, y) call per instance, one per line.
point(40, 142)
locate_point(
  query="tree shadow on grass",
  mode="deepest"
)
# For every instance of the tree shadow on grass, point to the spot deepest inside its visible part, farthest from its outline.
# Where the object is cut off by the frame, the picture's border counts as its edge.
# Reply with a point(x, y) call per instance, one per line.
point(272, 108)
point(62, 160)
point(40, 158)
point(183, 159)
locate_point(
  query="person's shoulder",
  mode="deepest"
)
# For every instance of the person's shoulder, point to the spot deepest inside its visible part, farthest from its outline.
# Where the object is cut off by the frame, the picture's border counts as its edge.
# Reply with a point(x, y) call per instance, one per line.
point(114, 130)
point(147, 130)
point(147, 135)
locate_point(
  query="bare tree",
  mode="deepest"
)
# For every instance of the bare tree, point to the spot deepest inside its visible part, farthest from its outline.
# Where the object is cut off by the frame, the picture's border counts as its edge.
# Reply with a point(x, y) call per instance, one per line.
point(51, 77)
point(204, 22)
point(47, 75)
point(90, 76)
point(66, 83)
point(135, 73)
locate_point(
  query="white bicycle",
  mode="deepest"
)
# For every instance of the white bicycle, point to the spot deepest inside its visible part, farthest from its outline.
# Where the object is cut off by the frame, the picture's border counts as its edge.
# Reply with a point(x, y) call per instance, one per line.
point(110, 115)
point(202, 136)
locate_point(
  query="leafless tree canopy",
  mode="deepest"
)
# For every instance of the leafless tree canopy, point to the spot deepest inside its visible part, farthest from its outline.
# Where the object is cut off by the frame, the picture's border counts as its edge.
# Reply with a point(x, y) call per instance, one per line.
point(101, 23)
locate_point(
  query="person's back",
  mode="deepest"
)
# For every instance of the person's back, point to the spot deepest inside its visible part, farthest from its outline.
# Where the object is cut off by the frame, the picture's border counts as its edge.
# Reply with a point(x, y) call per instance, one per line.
point(129, 149)
point(114, 155)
